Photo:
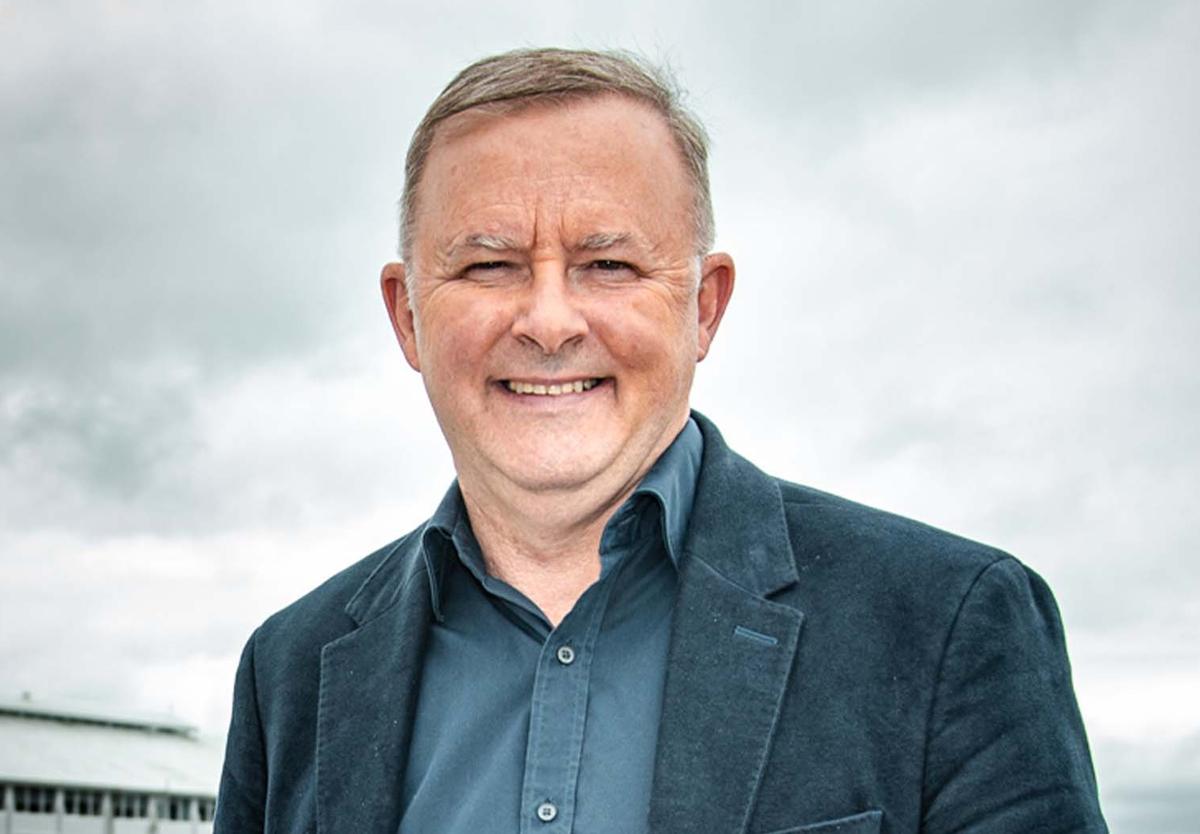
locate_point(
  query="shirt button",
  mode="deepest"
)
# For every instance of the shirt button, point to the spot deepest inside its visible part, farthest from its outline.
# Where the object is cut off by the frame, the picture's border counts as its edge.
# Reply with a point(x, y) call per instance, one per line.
point(566, 655)
point(547, 811)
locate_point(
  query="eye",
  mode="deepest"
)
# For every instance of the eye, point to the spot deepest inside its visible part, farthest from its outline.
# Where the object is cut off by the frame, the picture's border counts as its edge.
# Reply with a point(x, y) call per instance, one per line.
point(608, 265)
point(489, 265)
point(486, 270)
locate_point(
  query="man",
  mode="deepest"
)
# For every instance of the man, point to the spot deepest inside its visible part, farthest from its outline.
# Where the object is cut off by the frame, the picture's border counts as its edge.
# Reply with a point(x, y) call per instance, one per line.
point(613, 623)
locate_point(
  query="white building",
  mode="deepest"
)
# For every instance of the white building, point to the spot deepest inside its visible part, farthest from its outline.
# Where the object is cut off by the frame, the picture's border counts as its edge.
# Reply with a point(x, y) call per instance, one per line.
point(68, 769)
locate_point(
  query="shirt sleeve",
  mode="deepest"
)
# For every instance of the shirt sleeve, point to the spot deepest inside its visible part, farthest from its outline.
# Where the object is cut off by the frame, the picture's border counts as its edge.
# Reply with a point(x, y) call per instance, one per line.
point(1006, 748)
point(240, 798)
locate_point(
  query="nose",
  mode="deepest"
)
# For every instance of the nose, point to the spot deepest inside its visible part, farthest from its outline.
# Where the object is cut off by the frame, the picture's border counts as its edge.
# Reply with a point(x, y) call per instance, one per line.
point(549, 316)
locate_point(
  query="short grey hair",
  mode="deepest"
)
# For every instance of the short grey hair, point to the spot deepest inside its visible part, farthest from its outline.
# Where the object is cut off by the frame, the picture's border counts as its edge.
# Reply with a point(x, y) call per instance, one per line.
point(514, 80)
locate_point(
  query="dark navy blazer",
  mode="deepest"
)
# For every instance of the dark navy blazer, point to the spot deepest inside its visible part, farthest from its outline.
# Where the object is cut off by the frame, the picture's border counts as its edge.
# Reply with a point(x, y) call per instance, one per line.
point(832, 669)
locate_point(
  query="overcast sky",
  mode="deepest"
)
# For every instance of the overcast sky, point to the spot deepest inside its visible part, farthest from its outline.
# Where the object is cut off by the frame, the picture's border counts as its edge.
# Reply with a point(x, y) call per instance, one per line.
point(968, 291)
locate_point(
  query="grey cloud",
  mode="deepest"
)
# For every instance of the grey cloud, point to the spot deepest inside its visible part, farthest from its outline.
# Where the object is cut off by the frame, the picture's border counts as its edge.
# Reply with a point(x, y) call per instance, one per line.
point(1168, 809)
point(1152, 784)
point(183, 198)
point(824, 55)
point(91, 456)
point(180, 196)
point(166, 456)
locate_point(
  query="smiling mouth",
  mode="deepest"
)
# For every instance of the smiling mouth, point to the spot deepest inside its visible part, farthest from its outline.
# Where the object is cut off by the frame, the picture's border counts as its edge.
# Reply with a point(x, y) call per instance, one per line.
point(557, 389)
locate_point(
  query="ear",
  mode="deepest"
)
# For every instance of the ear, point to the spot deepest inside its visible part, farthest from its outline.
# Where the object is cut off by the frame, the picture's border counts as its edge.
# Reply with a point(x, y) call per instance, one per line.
point(395, 298)
point(716, 286)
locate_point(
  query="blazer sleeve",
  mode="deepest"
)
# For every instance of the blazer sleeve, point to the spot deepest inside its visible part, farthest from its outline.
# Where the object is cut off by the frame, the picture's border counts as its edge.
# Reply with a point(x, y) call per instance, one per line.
point(1006, 747)
point(240, 797)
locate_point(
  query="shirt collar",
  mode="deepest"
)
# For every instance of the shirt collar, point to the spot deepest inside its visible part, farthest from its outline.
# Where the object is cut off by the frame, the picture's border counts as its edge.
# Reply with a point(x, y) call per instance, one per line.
point(670, 485)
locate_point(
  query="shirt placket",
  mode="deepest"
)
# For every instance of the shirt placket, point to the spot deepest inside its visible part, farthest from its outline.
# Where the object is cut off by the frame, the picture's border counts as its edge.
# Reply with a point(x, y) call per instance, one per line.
point(559, 710)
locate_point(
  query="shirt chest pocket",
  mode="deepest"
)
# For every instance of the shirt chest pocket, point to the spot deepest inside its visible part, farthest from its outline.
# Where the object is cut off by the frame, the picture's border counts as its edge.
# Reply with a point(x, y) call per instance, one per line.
point(867, 822)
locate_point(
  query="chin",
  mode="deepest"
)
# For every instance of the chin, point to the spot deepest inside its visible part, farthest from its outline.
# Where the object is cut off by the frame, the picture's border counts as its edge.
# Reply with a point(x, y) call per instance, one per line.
point(551, 475)
point(547, 464)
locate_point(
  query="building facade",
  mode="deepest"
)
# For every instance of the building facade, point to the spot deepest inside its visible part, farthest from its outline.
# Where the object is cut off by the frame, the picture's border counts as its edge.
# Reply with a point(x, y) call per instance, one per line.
point(72, 769)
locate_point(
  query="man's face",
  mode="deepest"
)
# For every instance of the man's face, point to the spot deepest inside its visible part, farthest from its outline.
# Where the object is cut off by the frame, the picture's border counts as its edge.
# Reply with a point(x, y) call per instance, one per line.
point(559, 306)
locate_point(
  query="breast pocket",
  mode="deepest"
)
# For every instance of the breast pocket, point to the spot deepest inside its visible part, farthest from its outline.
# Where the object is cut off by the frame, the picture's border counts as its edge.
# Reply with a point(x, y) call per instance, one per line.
point(867, 822)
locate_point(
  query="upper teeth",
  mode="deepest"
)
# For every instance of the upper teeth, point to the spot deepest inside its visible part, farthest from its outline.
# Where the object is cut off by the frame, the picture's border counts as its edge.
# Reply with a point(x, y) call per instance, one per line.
point(555, 390)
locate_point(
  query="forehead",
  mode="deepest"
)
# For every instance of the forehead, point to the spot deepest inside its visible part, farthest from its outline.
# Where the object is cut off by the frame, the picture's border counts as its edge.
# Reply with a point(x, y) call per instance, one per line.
point(598, 165)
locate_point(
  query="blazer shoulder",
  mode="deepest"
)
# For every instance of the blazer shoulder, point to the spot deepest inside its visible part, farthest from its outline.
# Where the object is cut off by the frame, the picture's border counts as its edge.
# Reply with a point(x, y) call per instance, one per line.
point(877, 549)
point(811, 511)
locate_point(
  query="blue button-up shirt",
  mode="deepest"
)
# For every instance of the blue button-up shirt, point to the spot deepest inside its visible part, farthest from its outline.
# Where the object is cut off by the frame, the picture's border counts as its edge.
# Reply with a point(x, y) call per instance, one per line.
point(521, 726)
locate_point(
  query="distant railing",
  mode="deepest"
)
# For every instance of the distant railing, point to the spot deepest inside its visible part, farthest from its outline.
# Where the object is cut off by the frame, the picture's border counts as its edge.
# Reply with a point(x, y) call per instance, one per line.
point(61, 801)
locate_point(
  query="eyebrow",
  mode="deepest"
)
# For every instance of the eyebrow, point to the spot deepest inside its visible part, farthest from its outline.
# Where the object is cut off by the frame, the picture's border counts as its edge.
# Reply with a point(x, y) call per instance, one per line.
point(500, 243)
point(482, 240)
point(603, 240)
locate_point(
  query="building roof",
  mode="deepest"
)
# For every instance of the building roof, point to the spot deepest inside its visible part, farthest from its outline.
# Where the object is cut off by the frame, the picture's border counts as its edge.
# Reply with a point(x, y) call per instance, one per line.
point(89, 713)
point(63, 743)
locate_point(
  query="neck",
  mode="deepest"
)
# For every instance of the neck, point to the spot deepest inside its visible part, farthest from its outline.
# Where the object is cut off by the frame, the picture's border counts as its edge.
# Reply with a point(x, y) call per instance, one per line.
point(545, 546)
point(546, 543)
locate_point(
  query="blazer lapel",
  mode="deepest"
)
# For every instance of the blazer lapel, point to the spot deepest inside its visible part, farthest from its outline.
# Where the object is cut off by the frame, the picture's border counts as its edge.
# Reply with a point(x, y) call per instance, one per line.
point(369, 685)
point(732, 650)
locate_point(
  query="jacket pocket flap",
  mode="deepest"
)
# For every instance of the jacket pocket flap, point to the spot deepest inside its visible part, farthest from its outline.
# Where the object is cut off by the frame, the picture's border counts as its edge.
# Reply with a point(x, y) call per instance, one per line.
point(865, 823)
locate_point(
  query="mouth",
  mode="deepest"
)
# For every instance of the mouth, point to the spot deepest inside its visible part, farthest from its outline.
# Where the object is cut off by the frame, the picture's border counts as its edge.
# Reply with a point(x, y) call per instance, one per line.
point(552, 389)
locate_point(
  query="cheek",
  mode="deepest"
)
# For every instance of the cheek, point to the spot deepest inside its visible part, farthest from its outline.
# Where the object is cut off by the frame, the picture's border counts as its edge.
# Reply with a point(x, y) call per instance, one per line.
point(651, 337)
point(458, 333)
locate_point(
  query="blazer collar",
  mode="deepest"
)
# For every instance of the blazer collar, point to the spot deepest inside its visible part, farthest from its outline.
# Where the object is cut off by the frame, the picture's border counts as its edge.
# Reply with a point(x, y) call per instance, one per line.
point(738, 525)
point(732, 650)
point(400, 566)
point(368, 697)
